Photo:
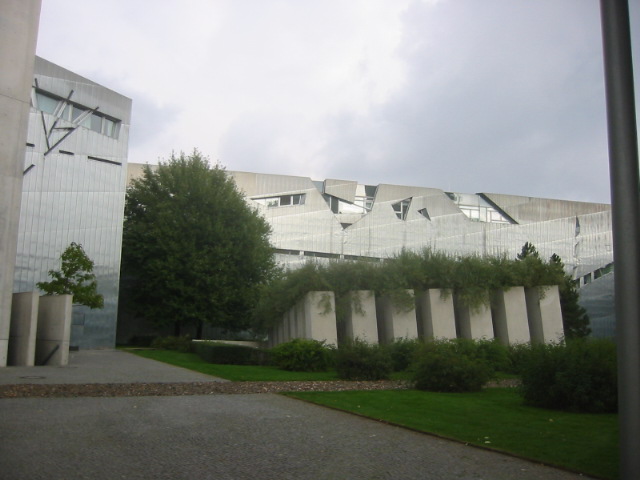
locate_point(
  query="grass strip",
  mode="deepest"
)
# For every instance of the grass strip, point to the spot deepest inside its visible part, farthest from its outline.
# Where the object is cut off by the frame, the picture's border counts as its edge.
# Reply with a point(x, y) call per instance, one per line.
point(236, 373)
point(494, 418)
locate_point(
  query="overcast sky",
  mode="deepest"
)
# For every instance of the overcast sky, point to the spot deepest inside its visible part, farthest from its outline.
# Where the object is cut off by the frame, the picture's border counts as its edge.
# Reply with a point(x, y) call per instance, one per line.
point(498, 96)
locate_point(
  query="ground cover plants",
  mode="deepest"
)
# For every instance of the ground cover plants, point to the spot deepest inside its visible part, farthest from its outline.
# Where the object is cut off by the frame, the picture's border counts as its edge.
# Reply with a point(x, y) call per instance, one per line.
point(494, 418)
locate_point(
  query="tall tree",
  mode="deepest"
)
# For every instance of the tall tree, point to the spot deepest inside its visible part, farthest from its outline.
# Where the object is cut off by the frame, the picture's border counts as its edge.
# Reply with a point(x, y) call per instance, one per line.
point(194, 251)
point(75, 277)
point(574, 317)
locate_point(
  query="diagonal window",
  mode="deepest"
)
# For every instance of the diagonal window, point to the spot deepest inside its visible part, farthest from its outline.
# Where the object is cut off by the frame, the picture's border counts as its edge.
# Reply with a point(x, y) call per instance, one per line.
point(402, 208)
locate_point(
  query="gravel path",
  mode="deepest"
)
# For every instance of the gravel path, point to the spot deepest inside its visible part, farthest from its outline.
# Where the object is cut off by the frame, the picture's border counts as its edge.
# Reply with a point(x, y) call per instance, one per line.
point(192, 388)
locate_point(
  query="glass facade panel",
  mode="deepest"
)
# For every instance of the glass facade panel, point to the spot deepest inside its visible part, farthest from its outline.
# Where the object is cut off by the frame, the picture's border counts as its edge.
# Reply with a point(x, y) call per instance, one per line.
point(46, 103)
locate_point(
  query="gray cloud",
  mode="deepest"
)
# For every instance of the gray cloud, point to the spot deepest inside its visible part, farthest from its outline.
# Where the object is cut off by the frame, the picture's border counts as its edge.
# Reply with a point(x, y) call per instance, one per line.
point(507, 99)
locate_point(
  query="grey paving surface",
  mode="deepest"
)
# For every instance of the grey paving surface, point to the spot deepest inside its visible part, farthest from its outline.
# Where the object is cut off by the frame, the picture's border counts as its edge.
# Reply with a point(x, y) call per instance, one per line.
point(103, 366)
point(262, 436)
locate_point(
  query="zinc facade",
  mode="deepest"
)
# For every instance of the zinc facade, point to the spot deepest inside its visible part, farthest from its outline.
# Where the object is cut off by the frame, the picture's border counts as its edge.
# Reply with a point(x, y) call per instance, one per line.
point(73, 189)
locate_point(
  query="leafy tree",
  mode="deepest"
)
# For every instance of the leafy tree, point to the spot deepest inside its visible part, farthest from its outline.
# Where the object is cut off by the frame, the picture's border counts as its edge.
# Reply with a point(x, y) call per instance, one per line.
point(193, 249)
point(75, 277)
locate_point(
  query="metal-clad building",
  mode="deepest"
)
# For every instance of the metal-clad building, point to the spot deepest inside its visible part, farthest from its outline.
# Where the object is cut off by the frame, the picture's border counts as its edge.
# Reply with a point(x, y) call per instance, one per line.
point(342, 219)
point(73, 189)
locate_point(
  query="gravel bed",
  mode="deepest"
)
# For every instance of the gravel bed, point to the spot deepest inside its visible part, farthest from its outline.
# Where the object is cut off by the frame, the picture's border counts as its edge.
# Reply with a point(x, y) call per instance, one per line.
point(197, 388)
point(202, 388)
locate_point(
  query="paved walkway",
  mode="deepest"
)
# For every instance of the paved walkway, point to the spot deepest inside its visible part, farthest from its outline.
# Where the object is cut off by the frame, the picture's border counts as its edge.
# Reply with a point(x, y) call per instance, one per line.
point(262, 436)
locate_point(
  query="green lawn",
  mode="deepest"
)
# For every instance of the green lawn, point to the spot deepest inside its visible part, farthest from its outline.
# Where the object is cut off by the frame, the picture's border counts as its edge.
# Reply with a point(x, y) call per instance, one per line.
point(494, 418)
point(236, 373)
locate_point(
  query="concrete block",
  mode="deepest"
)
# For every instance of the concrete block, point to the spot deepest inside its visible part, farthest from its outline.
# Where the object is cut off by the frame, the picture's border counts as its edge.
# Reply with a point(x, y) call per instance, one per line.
point(394, 321)
point(545, 314)
point(435, 314)
point(360, 321)
point(320, 317)
point(509, 313)
point(24, 323)
point(473, 323)
point(54, 330)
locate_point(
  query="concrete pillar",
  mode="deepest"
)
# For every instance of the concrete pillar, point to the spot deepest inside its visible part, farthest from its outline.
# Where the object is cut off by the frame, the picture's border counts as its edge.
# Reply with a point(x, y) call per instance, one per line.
point(54, 330)
point(24, 323)
point(394, 321)
point(473, 323)
point(18, 34)
point(360, 321)
point(509, 312)
point(544, 313)
point(293, 326)
point(300, 319)
point(435, 313)
point(320, 317)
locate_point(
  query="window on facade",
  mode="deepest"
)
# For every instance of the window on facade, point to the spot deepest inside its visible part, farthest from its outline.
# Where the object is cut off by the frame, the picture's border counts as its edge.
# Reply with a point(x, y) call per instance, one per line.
point(424, 213)
point(282, 200)
point(402, 208)
point(77, 114)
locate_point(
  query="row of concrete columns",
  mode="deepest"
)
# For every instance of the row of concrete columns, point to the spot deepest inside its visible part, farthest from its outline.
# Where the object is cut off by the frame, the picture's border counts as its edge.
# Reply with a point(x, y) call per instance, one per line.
point(516, 315)
point(40, 329)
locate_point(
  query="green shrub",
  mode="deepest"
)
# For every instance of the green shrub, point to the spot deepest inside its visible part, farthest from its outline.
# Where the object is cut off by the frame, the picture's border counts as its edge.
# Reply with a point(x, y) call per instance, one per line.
point(142, 340)
point(302, 355)
point(228, 354)
point(440, 368)
point(181, 344)
point(402, 351)
point(359, 360)
point(579, 376)
point(518, 353)
point(493, 354)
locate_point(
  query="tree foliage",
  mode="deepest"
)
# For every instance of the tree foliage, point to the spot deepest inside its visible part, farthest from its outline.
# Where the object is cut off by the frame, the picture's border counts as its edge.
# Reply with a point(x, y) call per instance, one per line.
point(193, 249)
point(75, 277)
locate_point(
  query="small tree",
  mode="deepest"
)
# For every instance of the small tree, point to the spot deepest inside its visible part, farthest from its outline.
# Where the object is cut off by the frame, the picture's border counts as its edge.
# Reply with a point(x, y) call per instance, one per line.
point(75, 277)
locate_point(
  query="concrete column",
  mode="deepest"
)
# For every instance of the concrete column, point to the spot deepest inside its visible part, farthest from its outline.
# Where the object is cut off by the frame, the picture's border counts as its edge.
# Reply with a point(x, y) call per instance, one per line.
point(54, 330)
point(360, 321)
point(293, 327)
point(320, 317)
point(509, 312)
point(24, 323)
point(435, 313)
point(473, 323)
point(394, 321)
point(18, 34)
point(300, 319)
point(544, 313)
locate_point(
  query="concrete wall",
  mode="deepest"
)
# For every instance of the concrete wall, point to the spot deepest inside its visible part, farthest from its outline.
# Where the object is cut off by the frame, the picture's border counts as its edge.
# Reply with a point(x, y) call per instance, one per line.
point(320, 317)
point(544, 314)
point(473, 323)
point(509, 312)
point(18, 34)
point(24, 324)
point(517, 315)
point(54, 329)
point(435, 314)
point(360, 321)
point(395, 321)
